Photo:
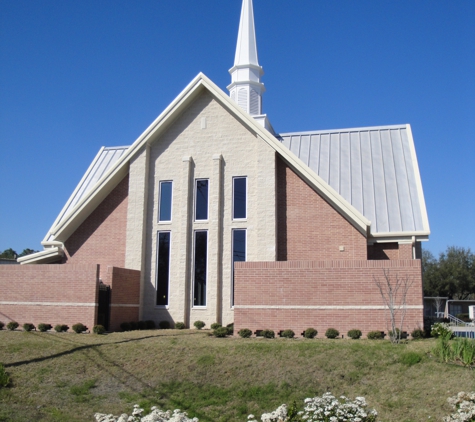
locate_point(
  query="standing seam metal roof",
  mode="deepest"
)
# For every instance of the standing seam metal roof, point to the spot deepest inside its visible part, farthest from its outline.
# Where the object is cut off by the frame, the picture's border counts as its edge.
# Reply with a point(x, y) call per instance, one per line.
point(104, 160)
point(373, 168)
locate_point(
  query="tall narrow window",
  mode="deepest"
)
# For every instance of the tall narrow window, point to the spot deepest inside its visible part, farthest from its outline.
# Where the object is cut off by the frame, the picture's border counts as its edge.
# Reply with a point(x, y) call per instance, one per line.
point(239, 252)
point(165, 206)
point(200, 270)
point(239, 198)
point(201, 200)
point(163, 268)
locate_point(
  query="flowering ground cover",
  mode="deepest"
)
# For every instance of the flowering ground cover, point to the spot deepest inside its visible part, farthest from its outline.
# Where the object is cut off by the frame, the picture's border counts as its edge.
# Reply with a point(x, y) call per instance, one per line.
point(70, 377)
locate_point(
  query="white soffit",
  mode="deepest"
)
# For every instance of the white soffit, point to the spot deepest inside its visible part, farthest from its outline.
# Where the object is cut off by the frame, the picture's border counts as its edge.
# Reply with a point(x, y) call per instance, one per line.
point(104, 160)
point(374, 168)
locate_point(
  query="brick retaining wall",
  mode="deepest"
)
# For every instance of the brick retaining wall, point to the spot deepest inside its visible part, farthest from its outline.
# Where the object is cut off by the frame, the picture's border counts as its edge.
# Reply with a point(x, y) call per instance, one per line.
point(52, 294)
point(321, 294)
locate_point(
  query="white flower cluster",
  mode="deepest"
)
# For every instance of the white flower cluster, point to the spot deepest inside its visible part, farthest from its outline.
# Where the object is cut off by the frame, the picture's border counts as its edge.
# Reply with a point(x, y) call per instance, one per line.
point(156, 415)
point(325, 409)
point(278, 415)
point(464, 406)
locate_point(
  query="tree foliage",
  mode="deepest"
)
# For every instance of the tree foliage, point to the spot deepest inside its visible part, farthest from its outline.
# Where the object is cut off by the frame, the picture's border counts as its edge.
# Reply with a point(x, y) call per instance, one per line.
point(12, 254)
point(452, 275)
point(9, 254)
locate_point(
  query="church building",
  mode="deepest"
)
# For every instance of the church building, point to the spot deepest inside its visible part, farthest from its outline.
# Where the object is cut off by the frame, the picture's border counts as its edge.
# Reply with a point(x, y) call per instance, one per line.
point(210, 215)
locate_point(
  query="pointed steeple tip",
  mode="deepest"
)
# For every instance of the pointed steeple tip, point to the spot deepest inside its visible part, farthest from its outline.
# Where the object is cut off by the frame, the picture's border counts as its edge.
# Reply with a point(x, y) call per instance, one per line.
point(246, 48)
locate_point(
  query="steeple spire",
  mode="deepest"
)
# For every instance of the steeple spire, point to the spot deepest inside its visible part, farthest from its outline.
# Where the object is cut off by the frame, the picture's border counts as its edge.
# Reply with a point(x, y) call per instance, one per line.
point(246, 87)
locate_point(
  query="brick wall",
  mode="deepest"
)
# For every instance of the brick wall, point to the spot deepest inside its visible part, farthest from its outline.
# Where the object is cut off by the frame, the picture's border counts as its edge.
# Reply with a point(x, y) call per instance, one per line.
point(125, 296)
point(52, 294)
point(321, 294)
point(307, 226)
point(100, 239)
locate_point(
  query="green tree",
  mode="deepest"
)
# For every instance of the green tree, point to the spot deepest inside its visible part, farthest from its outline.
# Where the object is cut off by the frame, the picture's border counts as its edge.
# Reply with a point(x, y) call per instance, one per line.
point(452, 275)
point(27, 252)
point(9, 254)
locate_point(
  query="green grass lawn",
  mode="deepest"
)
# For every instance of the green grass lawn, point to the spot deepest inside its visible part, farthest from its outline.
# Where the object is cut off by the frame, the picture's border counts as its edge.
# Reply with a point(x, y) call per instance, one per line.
point(69, 377)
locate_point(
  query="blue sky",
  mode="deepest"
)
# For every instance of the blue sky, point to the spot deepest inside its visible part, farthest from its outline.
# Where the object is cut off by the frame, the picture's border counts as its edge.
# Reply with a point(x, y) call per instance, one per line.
point(78, 75)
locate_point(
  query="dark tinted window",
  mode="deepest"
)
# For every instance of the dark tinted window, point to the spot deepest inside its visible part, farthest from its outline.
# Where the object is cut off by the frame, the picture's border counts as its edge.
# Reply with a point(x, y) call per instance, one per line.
point(163, 267)
point(239, 251)
point(201, 201)
point(165, 201)
point(239, 197)
point(201, 253)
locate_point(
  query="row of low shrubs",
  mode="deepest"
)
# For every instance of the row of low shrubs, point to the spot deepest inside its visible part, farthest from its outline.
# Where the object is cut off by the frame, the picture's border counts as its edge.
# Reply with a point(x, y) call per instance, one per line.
point(59, 328)
point(330, 333)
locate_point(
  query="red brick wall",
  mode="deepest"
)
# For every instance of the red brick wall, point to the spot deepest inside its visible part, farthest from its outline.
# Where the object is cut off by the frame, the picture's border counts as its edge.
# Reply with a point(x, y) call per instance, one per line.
point(125, 296)
point(283, 295)
point(308, 227)
point(52, 294)
point(100, 239)
point(391, 250)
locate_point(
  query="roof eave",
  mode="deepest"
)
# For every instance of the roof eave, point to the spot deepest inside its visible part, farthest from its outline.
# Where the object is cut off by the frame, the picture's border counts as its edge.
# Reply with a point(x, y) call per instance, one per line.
point(44, 257)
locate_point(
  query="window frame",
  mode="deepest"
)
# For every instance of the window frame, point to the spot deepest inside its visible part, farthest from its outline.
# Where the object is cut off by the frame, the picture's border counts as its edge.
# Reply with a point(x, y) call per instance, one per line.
point(160, 201)
point(195, 208)
point(234, 199)
point(233, 261)
point(194, 270)
point(157, 267)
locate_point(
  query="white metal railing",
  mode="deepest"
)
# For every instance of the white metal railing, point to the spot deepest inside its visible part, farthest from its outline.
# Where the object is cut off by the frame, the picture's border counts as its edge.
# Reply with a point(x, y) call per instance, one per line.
point(458, 322)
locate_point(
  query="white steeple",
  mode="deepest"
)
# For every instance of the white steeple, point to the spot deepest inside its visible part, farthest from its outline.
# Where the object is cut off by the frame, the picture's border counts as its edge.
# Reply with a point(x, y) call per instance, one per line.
point(246, 87)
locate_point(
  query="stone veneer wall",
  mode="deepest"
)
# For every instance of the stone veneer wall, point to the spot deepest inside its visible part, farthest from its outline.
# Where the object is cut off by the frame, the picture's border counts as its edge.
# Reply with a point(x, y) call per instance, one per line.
point(322, 294)
point(204, 142)
point(101, 238)
point(52, 294)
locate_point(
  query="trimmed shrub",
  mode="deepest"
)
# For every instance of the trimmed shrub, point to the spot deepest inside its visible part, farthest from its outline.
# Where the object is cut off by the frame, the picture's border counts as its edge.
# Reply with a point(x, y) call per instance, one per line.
point(180, 325)
point(199, 324)
point(2, 324)
point(375, 335)
point(125, 326)
point(215, 325)
point(245, 332)
point(287, 334)
point(354, 334)
point(141, 325)
point(220, 332)
point(164, 325)
point(418, 334)
point(79, 328)
point(150, 325)
point(267, 334)
point(4, 378)
point(44, 327)
point(332, 333)
point(134, 325)
point(230, 328)
point(12, 325)
point(464, 317)
point(310, 333)
point(98, 329)
point(61, 328)
point(28, 326)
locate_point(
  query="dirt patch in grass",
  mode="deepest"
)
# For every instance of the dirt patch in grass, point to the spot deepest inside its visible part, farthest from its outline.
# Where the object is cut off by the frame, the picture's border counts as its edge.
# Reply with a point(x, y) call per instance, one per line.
point(56, 377)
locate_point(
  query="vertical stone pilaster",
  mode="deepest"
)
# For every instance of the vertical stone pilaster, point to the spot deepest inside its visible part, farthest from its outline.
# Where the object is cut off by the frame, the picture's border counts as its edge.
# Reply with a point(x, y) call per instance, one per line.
point(216, 238)
point(137, 217)
point(186, 237)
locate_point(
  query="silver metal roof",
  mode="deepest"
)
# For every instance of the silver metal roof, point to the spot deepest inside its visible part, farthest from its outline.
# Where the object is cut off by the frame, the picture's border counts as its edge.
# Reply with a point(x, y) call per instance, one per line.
point(374, 168)
point(104, 160)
